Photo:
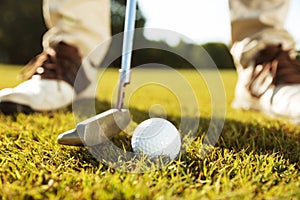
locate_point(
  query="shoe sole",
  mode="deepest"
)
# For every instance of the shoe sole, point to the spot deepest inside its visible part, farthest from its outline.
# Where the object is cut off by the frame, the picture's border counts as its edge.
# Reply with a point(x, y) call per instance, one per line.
point(9, 108)
point(254, 106)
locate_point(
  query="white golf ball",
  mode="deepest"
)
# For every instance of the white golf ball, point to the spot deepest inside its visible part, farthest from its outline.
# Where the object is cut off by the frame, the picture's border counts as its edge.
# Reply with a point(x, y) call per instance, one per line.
point(156, 137)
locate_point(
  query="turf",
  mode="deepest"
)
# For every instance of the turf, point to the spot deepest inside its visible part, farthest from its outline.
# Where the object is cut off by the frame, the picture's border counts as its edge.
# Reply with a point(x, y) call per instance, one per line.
point(256, 157)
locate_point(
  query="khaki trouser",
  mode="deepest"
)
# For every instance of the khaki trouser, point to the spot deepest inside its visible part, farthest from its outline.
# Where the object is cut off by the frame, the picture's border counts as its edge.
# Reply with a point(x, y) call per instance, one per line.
point(86, 24)
point(82, 23)
point(256, 23)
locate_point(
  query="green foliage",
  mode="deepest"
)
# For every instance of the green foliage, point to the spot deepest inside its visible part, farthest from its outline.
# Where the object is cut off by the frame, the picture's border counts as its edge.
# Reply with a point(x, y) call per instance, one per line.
point(21, 29)
point(118, 8)
point(256, 157)
point(220, 54)
point(178, 57)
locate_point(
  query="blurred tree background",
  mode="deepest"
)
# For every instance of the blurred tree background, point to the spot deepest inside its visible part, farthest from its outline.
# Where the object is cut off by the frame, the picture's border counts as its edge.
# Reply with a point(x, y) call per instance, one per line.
point(22, 27)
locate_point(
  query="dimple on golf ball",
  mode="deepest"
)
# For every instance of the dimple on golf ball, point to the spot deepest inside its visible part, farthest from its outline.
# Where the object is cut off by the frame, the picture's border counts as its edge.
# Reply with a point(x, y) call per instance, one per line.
point(156, 137)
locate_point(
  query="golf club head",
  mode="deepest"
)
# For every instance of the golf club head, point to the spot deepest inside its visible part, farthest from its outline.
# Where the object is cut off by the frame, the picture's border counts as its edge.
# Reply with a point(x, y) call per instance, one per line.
point(70, 138)
point(97, 129)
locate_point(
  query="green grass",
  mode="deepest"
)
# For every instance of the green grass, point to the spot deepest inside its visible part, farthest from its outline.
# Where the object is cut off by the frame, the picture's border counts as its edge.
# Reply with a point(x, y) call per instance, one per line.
point(256, 157)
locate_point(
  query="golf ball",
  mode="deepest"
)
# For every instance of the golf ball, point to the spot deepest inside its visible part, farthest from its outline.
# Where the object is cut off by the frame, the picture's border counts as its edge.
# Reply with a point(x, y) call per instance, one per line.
point(156, 137)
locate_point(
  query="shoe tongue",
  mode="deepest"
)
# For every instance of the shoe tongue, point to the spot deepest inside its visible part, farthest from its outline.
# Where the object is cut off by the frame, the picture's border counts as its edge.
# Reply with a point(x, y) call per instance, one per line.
point(60, 62)
point(268, 54)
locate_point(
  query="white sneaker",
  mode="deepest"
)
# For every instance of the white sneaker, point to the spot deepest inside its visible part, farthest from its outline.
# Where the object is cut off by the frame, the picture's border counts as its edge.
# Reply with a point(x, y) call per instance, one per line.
point(51, 76)
point(271, 84)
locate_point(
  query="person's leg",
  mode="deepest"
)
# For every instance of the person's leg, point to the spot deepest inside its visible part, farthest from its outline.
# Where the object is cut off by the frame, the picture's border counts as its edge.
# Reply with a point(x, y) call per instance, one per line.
point(268, 76)
point(81, 23)
point(75, 28)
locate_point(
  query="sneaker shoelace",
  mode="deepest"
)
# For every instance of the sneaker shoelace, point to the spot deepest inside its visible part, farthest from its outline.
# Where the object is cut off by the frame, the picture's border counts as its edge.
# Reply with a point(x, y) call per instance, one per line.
point(60, 62)
point(273, 66)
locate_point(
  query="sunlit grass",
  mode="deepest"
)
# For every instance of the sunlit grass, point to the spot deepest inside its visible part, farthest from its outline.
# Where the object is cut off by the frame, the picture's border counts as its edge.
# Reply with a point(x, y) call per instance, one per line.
point(256, 157)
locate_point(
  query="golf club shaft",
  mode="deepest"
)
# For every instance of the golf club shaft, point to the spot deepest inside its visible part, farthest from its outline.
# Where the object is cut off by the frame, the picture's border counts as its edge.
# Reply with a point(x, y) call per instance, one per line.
point(124, 78)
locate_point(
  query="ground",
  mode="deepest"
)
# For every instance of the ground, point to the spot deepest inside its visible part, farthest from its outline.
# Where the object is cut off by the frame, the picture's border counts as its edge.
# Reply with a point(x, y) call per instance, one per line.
point(255, 157)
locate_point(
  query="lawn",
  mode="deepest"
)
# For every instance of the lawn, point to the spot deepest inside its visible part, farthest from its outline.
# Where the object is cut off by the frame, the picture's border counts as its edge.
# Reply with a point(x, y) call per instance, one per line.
point(255, 157)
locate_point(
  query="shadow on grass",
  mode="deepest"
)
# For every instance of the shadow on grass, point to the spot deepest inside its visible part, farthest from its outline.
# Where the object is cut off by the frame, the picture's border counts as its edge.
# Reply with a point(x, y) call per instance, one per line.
point(262, 139)
point(236, 136)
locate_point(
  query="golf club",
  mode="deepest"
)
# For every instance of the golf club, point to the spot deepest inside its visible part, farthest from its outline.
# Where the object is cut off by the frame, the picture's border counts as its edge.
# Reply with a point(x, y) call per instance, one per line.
point(102, 127)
